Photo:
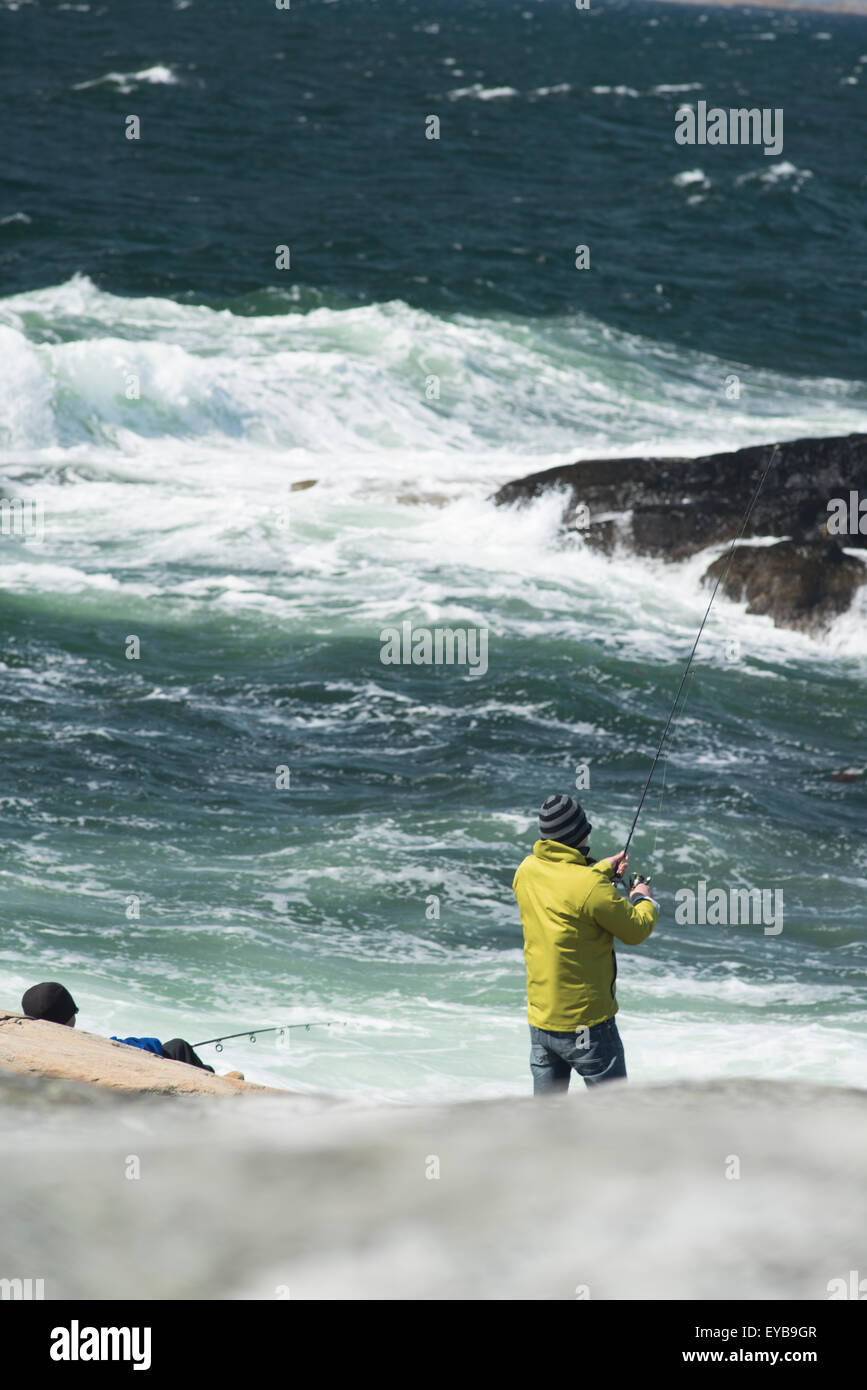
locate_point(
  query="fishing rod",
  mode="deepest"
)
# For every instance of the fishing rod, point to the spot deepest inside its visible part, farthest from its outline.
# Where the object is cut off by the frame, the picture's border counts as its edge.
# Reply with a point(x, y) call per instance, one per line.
point(253, 1033)
point(722, 575)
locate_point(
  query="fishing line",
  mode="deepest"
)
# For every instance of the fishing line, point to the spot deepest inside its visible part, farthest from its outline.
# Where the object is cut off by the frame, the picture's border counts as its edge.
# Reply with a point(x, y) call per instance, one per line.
point(676, 727)
point(720, 577)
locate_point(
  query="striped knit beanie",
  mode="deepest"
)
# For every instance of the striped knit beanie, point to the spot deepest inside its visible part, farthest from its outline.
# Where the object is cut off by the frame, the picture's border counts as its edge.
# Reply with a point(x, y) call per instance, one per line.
point(561, 818)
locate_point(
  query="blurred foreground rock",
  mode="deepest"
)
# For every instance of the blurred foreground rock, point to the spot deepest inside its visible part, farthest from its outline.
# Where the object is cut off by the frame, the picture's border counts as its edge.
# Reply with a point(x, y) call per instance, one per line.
point(728, 1189)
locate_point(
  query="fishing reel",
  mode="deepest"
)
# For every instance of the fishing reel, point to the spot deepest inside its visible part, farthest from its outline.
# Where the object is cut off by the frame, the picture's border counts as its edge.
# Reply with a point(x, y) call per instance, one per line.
point(638, 878)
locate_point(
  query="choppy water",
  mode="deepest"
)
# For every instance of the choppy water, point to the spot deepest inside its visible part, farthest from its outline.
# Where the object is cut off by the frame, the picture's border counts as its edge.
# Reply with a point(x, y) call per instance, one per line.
point(259, 609)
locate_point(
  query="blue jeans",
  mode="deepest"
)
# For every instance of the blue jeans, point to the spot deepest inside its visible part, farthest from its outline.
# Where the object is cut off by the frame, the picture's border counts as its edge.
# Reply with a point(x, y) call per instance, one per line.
point(554, 1057)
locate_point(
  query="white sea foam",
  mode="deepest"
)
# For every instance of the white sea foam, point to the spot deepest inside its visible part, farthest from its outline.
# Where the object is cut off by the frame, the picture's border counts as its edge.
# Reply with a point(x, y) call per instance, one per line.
point(665, 88)
point(619, 91)
point(352, 384)
point(690, 177)
point(159, 75)
point(481, 93)
point(781, 172)
point(232, 409)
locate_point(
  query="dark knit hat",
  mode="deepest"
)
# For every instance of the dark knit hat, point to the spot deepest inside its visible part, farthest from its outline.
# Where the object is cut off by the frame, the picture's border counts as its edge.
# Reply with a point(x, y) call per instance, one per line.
point(561, 818)
point(50, 1002)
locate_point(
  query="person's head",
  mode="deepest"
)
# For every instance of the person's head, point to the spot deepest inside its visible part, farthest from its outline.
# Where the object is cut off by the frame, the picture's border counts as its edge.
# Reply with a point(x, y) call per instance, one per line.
point(562, 819)
point(51, 1002)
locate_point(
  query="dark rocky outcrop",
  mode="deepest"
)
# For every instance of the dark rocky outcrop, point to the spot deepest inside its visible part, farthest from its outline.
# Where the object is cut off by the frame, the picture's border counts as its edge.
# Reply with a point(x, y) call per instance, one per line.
point(674, 507)
point(802, 584)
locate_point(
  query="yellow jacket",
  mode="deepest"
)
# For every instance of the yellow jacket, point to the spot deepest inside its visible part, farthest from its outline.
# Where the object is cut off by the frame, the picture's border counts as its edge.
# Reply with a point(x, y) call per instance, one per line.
point(571, 913)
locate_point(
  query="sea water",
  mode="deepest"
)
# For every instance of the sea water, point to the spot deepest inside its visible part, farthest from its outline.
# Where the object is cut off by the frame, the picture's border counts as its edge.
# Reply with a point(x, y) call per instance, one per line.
point(220, 807)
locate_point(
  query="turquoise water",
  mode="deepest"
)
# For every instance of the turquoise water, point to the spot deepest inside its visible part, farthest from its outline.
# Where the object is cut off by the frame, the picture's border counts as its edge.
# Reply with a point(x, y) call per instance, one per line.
point(259, 612)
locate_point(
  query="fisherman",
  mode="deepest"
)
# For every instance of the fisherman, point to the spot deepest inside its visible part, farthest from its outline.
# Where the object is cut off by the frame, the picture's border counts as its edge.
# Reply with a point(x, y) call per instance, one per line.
point(571, 914)
point(54, 1004)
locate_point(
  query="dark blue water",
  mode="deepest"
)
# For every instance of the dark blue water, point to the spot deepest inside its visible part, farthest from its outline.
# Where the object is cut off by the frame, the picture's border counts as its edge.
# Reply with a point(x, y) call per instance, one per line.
point(307, 127)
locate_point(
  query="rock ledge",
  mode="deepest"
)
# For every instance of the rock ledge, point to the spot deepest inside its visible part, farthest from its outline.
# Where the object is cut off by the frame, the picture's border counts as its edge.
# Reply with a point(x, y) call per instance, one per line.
point(29, 1045)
